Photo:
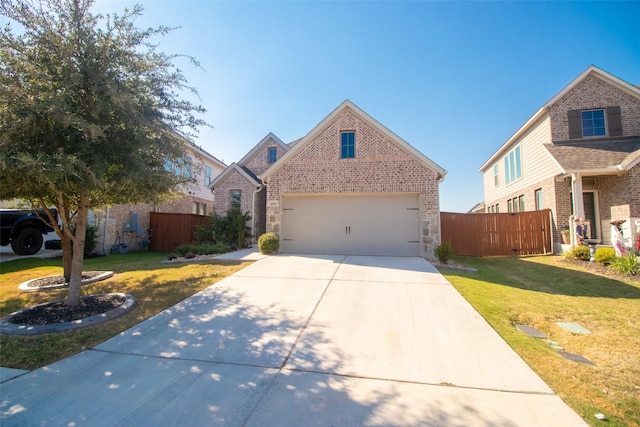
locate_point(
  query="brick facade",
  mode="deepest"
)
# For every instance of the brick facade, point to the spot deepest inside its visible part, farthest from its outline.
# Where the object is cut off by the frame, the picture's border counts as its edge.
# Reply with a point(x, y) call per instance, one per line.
point(594, 93)
point(380, 165)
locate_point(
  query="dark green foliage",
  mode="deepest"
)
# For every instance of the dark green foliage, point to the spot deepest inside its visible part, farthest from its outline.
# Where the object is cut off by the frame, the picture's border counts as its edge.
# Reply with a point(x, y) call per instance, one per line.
point(230, 229)
point(628, 264)
point(579, 252)
point(183, 249)
point(444, 252)
point(268, 243)
point(90, 241)
point(605, 255)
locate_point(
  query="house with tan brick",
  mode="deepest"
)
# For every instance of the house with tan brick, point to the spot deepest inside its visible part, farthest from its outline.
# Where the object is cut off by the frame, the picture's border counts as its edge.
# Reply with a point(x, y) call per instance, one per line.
point(351, 186)
point(578, 155)
point(238, 186)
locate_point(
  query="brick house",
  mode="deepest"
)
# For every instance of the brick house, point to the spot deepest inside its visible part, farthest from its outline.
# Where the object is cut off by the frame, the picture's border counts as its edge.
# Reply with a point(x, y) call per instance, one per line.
point(129, 224)
point(578, 155)
point(351, 186)
point(239, 186)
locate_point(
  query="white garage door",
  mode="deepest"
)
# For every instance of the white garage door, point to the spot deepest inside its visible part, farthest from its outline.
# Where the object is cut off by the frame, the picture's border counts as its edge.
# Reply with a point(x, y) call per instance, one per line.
point(351, 225)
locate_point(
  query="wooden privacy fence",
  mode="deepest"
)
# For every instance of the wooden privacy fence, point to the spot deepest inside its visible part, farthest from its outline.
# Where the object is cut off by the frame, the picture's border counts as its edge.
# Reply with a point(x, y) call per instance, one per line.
point(169, 230)
point(491, 234)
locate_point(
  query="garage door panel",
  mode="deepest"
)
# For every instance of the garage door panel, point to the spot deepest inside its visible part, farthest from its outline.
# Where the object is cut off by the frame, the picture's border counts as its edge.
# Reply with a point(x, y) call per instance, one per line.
point(354, 225)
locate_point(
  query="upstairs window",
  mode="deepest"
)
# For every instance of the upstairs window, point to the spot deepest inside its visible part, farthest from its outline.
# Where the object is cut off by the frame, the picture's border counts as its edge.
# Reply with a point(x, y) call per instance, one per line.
point(273, 155)
point(496, 180)
point(512, 166)
point(347, 145)
point(207, 175)
point(593, 123)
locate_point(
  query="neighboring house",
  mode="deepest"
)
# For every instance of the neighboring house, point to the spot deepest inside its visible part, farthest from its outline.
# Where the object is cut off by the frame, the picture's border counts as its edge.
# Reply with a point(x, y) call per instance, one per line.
point(579, 155)
point(351, 186)
point(129, 224)
point(238, 186)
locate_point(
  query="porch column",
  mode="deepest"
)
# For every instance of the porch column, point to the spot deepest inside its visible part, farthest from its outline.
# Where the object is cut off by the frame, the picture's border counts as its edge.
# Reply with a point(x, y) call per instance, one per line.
point(578, 205)
point(577, 200)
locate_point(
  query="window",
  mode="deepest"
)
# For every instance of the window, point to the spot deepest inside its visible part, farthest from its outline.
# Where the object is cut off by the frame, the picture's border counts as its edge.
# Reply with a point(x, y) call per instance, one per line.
point(177, 167)
point(538, 195)
point(497, 208)
point(348, 145)
point(597, 122)
point(510, 205)
point(521, 203)
point(236, 199)
point(593, 123)
point(207, 175)
point(199, 208)
point(187, 166)
point(273, 155)
point(495, 176)
point(512, 166)
point(168, 165)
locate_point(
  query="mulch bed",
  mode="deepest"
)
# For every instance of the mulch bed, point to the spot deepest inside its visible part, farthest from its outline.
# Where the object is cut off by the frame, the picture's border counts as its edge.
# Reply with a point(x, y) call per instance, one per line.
point(44, 282)
point(59, 312)
point(601, 269)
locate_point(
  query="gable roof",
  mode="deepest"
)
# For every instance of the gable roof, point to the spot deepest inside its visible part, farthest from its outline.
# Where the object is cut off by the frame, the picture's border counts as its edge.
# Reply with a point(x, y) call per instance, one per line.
point(214, 159)
point(260, 145)
point(590, 156)
point(592, 70)
point(300, 143)
point(234, 167)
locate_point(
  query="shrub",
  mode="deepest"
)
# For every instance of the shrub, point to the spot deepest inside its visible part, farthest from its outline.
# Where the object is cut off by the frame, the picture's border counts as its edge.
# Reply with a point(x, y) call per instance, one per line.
point(183, 249)
point(444, 252)
point(579, 252)
point(208, 248)
point(268, 243)
point(628, 264)
point(605, 255)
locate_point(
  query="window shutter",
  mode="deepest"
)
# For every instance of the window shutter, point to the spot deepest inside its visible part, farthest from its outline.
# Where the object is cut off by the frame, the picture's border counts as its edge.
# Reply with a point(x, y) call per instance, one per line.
point(614, 121)
point(575, 124)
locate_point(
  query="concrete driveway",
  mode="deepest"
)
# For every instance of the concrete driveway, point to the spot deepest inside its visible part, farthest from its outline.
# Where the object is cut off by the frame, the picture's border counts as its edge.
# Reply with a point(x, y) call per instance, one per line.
point(299, 341)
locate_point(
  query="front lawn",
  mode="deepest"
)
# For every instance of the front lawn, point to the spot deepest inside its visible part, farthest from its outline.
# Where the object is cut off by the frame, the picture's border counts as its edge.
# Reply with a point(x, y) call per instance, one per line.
point(540, 291)
point(155, 286)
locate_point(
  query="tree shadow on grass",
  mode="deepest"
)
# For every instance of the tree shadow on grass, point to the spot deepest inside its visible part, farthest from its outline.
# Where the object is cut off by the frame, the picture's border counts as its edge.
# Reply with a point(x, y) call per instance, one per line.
point(526, 274)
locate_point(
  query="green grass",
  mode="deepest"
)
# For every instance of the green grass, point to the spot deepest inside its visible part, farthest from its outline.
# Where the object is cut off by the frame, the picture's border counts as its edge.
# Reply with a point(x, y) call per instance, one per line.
point(155, 286)
point(540, 291)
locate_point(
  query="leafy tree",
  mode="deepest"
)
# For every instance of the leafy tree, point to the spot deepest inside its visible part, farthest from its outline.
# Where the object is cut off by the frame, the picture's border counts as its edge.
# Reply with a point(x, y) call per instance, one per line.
point(90, 112)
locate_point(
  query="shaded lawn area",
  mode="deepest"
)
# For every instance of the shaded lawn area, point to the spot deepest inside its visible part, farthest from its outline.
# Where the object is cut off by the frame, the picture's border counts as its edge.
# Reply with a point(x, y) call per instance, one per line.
point(540, 291)
point(155, 286)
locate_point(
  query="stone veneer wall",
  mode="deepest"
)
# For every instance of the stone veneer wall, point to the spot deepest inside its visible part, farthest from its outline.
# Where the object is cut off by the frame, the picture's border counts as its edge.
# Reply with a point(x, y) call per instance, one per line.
point(380, 166)
point(594, 93)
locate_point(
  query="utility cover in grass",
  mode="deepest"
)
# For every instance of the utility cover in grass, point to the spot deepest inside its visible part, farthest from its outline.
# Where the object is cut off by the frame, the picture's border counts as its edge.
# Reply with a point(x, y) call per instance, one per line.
point(576, 358)
point(531, 331)
point(573, 327)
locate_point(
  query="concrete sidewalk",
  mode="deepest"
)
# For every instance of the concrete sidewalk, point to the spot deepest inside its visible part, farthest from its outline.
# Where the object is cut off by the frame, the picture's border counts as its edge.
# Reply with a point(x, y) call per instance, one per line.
point(299, 341)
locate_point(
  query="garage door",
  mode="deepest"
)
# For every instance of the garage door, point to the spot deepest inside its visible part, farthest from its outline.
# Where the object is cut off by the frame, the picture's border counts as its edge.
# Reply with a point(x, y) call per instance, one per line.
point(351, 225)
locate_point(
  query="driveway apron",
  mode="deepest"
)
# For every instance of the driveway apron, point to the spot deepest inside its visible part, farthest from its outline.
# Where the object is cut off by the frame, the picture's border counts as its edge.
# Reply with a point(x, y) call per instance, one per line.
point(298, 341)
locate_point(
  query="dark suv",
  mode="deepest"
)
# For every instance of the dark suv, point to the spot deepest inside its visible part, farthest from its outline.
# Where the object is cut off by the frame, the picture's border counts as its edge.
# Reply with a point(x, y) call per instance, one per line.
point(24, 229)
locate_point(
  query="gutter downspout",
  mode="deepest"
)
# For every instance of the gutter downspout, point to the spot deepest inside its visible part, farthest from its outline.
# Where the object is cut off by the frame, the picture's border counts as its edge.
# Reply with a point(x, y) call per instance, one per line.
point(253, 216)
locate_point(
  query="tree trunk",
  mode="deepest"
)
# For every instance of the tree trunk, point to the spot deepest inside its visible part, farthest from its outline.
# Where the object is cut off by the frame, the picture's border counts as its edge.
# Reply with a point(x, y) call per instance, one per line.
point(77, 258)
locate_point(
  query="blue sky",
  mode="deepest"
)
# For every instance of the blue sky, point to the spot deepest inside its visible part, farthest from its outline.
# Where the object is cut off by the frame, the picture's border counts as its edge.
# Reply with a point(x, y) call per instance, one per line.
point(453, 79)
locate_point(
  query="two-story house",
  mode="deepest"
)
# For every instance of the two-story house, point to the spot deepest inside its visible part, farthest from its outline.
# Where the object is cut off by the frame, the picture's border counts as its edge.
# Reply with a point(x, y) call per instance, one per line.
point(129, 224)
point(578, 155)
point(349, 186)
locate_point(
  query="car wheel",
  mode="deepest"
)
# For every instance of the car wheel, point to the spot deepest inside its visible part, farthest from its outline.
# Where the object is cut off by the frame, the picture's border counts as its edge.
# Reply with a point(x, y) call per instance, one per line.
point(28, 242)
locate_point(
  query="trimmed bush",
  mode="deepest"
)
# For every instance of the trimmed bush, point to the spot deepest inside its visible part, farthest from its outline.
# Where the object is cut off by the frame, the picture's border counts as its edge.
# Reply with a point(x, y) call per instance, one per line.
point(268, 243)
point(183, 249)
point(628, 264)
point(444, 252)
point(605, 255)
point(579, 252)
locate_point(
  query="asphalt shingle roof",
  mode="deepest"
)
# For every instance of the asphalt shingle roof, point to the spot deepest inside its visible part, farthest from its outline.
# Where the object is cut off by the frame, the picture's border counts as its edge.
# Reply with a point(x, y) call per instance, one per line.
point(593, 154)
